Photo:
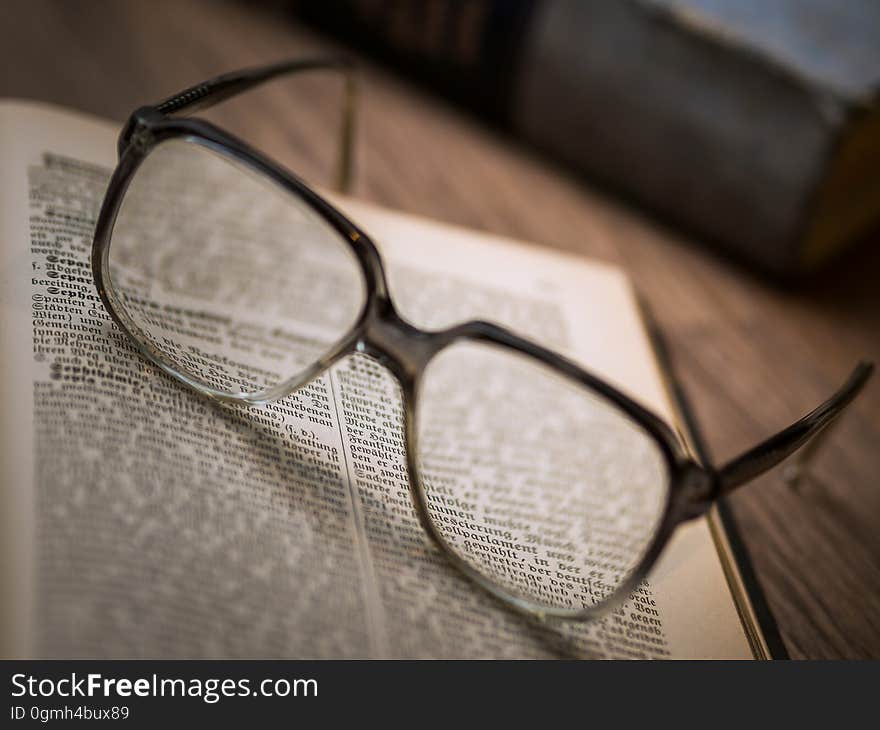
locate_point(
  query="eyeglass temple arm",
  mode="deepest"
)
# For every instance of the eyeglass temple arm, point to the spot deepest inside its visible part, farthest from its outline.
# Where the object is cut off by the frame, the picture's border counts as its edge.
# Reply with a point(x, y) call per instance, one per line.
point(212, 92)
point(771, 452)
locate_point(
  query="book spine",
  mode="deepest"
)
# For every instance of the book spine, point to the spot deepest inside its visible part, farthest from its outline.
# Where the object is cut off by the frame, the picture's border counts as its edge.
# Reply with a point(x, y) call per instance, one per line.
point(715, 139)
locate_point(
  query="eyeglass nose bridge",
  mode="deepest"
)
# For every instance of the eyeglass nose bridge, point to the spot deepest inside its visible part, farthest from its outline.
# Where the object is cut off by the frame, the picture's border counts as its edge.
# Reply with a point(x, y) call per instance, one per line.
point(390, 339)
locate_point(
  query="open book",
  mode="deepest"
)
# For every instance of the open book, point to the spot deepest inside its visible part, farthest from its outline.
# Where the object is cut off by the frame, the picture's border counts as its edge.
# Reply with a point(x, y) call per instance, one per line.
point(138, 519)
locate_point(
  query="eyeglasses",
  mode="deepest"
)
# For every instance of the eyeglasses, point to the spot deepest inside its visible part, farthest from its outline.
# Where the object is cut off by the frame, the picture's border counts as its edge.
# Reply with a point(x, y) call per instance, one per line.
point(237, 279)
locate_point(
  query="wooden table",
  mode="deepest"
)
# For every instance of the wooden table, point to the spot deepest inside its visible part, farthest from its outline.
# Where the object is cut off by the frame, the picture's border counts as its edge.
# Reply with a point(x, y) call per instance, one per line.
point(752, 357)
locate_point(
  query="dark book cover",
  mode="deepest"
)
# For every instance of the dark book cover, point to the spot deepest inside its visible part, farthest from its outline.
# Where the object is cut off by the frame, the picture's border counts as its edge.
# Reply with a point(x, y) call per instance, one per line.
point(753, 126)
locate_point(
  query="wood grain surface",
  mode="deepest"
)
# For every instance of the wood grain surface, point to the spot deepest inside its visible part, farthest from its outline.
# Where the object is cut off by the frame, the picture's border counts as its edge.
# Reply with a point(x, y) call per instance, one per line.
point(752, 357)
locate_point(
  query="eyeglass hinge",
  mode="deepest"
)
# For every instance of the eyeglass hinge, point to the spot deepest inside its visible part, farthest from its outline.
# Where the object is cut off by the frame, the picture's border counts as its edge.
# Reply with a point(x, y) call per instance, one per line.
point(700, 487)
point(136, 132)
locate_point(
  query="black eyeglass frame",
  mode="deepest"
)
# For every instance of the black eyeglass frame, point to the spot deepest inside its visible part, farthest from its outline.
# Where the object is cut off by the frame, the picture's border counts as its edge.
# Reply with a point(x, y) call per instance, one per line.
point(380, 332)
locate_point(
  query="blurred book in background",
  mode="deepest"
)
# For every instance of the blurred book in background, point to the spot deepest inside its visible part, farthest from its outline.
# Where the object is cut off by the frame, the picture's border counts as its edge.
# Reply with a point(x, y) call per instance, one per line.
point(753, 126)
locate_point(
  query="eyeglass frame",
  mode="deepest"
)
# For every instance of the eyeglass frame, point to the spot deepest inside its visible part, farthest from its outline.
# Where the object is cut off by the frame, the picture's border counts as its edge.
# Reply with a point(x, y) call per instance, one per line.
point(405, 350)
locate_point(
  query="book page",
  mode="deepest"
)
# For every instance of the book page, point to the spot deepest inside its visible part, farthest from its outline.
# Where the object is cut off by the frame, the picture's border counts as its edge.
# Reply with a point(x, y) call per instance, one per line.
point(140, 519)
